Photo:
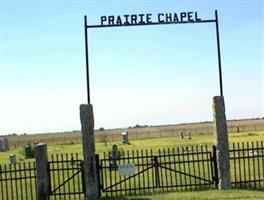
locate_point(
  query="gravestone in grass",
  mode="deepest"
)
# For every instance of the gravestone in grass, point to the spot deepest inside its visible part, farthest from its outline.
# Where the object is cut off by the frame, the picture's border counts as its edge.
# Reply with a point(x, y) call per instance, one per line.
point(125, 136)
point(2, 149)
point(113, 157)
point(190, 135)
point(12, 158)
point(181, 134)
point(4, 144)
point(29, 152)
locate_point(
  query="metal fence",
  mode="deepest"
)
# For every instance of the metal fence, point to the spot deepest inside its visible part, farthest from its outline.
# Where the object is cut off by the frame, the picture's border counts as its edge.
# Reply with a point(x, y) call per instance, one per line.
point(178, 169)
point(18, 181)
point(66, 177)
point(247, 165)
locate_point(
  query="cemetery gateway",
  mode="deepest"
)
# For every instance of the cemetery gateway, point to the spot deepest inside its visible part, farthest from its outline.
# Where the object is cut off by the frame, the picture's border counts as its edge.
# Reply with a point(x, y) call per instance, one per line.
point(133, 172)
point(111, 165)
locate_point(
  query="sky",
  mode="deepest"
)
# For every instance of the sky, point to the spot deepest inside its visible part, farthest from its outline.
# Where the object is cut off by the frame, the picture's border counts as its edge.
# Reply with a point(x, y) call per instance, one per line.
point(147, 75)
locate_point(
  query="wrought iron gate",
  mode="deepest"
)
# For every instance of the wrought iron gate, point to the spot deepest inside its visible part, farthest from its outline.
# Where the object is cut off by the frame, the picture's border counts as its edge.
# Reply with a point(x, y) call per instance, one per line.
point(66, 177)
point(186, 168)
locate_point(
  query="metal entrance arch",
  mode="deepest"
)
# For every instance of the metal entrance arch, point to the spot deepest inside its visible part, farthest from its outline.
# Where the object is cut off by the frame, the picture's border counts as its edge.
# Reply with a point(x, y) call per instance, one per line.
point(86, 27)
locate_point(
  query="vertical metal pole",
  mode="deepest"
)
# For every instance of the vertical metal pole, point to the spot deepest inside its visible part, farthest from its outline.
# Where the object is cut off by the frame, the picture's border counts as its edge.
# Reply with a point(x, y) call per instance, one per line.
point(86, 58)
point(218, 52)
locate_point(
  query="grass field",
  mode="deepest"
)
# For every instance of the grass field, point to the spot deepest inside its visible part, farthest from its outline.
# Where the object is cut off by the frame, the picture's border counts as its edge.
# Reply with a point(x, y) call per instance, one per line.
point(202, 195)
point(154, 144)
point(137, 132)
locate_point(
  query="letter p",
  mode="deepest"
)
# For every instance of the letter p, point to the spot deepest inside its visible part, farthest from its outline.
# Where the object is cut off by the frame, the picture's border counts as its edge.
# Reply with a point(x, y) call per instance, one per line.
point(103, 19)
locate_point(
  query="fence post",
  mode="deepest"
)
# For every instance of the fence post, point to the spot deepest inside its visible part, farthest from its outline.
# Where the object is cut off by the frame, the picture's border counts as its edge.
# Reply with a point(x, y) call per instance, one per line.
point(43, 181)
point(222, 147)
point(97, 160)
point(215, 172)
point(83, 177)
point(88, 140)
point(156, 165)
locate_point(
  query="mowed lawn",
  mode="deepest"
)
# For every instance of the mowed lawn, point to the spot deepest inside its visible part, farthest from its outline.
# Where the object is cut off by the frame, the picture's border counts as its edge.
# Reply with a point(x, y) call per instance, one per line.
point(196, 195)
point(140, 144)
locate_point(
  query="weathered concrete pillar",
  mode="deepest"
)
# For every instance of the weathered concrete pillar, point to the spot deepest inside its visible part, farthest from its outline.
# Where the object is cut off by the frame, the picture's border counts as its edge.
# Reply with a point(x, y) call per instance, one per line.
point(41, 156)
point(222, 147)
point(91, 181)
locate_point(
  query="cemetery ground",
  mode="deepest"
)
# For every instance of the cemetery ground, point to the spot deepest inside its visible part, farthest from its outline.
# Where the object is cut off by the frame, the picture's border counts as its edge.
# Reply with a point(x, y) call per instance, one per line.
point(69, 147)
point(136, 132)
point(201, 139)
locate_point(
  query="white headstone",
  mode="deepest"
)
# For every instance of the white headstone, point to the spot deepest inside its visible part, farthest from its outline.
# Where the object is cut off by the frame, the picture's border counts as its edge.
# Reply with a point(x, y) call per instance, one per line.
point(126, 170)
point(12, 158)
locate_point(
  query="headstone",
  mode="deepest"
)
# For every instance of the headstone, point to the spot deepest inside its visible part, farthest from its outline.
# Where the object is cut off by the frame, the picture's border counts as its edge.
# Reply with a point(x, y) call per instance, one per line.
point(126, 170)
point(2, 145)
point(105, 140)
point(28, 152)
point(12, 158)
point(113, 157)
point(114, 151)
point(125, 137)
point(181, 134)
point(190, 135)
point(6, 144)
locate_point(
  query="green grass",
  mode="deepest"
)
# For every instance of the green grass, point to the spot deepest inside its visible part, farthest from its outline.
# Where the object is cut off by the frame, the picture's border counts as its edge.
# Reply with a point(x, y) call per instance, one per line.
point(154, 143)
point(203, 195)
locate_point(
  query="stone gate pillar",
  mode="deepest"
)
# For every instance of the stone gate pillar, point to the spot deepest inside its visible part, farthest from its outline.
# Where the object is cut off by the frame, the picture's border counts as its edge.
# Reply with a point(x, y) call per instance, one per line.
point(88, 140)
point(43, 182)
point(222, 146)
